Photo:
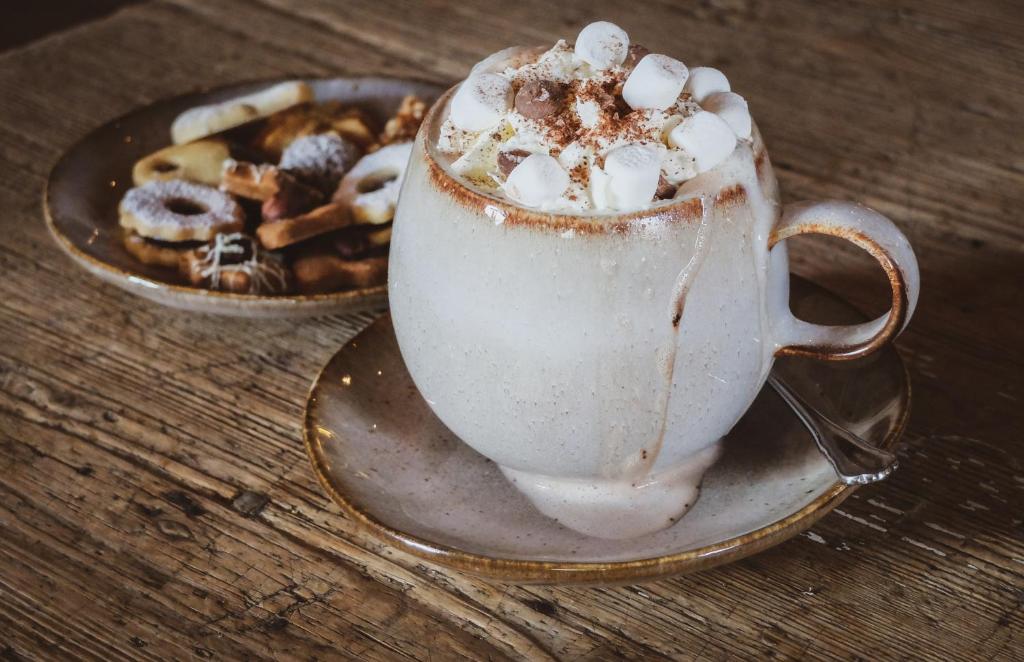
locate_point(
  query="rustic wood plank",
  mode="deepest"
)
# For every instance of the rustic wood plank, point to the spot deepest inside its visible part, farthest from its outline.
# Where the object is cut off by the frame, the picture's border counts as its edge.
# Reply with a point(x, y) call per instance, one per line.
point(129, 432)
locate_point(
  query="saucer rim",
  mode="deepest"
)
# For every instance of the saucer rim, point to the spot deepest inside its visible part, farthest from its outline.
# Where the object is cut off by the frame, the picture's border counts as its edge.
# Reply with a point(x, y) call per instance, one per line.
point(564, 572)
point(197, 298)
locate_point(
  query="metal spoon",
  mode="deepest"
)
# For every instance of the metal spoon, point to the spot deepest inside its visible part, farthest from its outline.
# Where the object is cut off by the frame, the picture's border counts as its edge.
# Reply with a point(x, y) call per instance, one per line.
point(855, 461)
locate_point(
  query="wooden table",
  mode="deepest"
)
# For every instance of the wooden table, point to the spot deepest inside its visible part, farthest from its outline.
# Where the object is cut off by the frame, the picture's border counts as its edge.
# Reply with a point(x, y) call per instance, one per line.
point(155, 498)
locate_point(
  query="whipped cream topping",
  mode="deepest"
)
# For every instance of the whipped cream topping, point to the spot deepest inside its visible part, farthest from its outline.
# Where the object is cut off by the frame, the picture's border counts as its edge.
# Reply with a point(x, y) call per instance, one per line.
point(619, 128)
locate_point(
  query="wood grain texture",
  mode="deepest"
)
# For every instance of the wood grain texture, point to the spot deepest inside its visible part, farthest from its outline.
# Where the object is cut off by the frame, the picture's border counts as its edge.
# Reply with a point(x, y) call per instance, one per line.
point(155, 500)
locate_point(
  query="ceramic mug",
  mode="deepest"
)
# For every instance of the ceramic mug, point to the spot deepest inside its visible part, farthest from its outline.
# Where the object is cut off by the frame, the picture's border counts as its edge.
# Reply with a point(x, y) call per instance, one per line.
point(599, 359)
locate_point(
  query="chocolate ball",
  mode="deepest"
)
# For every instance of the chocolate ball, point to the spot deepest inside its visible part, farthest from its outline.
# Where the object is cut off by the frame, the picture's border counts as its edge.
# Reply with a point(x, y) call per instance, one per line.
point(507, 161)
point(539, 98)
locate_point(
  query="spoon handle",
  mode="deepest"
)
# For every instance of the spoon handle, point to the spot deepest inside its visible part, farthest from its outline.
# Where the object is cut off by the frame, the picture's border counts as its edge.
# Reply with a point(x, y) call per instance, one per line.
point(855, 461)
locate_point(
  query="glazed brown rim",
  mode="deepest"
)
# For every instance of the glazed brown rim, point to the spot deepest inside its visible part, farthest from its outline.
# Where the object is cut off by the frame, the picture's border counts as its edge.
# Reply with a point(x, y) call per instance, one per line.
point(677, 211)
point(98, 266)
point(559, 572)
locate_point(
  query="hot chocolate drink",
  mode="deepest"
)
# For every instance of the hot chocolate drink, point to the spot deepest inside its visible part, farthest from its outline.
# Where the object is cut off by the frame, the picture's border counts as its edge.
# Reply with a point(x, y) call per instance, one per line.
point(588, 280)
point(603, 125)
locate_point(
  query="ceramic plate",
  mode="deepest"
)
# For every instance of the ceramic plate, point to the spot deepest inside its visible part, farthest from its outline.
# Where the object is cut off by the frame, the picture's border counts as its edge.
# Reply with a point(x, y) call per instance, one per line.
point(88, 181)
point(391, 464)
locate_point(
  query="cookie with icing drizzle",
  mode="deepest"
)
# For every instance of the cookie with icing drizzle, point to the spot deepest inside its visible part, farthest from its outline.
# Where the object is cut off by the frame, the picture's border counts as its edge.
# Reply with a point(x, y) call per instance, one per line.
point(235, 263)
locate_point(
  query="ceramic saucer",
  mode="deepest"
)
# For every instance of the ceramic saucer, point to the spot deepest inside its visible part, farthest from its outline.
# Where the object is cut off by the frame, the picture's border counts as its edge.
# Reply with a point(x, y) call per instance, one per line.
point(89, 180)
point(389, 463)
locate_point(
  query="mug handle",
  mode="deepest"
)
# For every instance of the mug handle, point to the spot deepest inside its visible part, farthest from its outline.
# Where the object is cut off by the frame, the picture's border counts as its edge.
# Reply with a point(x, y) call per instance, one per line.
point(874, 233)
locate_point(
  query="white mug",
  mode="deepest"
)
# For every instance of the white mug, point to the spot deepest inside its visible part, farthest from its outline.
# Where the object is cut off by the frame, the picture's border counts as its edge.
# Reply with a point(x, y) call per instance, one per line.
point(599, 359)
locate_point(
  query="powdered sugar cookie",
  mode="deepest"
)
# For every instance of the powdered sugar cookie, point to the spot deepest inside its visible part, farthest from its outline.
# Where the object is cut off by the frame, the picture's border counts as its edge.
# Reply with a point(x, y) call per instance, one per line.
point(320, 160)
point(176, 210)
point(370, 188)
point(205, 121)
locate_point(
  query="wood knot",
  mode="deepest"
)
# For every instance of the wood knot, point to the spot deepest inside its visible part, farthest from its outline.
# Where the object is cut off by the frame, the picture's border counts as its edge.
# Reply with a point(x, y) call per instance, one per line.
point(186, 503)
point(250, 503)
point(174, 529)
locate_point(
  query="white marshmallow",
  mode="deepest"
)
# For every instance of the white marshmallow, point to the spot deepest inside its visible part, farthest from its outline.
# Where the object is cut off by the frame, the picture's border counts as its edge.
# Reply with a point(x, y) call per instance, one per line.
point(655, 82)
point(704, 81)
point(633, 171)
point(732, 108)
point(666, 129)
point(602, 45)
point(481, 101)
point(706, 137)
point(538, 179)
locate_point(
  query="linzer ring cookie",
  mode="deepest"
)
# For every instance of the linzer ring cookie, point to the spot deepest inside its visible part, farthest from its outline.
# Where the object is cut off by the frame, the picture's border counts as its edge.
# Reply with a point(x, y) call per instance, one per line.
point(371, 187)
point(177, 210)
point(200, 161)
point(152, 253)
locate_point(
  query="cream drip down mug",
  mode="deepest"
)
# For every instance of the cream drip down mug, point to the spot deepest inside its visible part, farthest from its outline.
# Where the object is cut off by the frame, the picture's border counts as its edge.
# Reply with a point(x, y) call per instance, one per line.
point(599, 359)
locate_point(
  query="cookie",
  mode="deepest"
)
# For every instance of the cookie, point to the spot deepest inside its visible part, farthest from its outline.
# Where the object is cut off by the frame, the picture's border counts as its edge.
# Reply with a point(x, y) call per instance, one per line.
point(281, 129)
point(288, 231)
point(370, 189)
point(292, 198)
point(199, 162)
point(235, 263)
point(155, 253)
point(318, 272)
point(176, 210)
point(250, 180)
point(361, 240)
point(405, 123)
point(203, 121)
point(320, 160)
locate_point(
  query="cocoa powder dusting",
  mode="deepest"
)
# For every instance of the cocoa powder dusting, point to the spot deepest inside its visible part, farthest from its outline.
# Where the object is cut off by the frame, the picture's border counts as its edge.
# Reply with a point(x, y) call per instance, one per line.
point(561, 127)
point(580, 175)
point(616, 118)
